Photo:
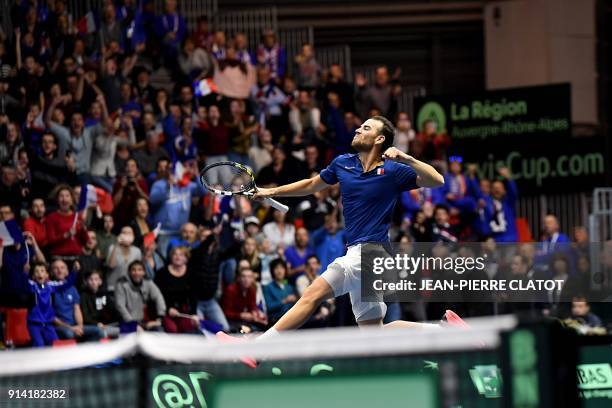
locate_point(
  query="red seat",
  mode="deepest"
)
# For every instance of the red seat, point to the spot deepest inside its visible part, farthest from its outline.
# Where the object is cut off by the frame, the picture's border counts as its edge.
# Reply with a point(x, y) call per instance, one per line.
point(16, 330)
point(64, 343)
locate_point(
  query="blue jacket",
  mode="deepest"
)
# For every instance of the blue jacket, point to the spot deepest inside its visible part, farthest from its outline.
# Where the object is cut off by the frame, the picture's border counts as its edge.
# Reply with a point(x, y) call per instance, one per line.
point(171, 204)
point(42, 311)
point(64, 300)
point(502, 222)
point(274, 295)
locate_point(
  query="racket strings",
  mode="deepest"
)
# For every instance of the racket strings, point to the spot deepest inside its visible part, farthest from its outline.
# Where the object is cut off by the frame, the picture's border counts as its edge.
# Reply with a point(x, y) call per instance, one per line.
point(228, 178)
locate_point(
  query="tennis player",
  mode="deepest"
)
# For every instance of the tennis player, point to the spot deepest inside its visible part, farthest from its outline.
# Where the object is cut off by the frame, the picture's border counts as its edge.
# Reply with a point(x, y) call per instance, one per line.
point(371, 181)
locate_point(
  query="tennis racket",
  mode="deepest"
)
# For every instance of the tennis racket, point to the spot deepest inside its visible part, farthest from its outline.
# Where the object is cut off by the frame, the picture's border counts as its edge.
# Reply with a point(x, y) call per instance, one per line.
point(242, 181)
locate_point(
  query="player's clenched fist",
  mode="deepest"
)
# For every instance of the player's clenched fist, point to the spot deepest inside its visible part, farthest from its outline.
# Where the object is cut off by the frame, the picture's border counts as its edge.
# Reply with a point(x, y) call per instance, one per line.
point(393, 153)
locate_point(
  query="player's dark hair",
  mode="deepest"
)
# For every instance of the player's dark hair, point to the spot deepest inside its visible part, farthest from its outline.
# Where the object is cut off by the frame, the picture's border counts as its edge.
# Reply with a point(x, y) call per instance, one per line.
point(388, 131)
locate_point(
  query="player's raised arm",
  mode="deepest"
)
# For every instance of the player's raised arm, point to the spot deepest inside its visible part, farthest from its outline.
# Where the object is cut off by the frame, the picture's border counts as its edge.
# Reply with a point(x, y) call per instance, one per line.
point(427, 176)
point(297, 189)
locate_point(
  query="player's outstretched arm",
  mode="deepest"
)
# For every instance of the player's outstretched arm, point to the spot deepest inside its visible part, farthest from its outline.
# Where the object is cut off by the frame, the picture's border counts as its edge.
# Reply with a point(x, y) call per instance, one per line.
point(297, 189)
point(427, 176)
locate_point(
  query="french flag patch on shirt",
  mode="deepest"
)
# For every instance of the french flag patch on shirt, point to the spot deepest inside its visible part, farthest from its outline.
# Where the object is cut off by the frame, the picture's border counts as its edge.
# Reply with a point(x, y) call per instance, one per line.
point(380, 171)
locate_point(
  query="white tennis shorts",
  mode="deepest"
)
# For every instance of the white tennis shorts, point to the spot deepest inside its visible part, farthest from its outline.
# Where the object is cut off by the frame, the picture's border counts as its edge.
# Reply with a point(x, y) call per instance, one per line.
point(344, 276)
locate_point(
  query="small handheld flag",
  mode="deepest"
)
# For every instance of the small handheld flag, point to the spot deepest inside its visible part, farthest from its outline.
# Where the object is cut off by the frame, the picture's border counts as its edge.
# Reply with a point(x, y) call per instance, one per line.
point(10, 233)
point(150, 237)
point(87, 198)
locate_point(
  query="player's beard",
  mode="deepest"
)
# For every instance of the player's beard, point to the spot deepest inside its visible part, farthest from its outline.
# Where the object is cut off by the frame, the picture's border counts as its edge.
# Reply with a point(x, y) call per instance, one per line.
point(360, 145)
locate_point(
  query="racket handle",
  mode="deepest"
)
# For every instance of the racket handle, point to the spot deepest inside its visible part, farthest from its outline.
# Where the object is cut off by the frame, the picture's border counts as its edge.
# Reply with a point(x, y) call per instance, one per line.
point(280, 207)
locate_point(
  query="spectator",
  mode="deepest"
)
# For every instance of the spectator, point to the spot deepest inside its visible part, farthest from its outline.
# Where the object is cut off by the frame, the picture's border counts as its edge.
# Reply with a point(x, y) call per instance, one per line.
point(268, 99)
point(382, 94)
point(580, 241)
point(279, 232)
point(134, 294)
point(188, 239)
point(204, 267)
point(308, 69)
point(329, 241)
point(51, 167)
point(242, 51)
point(119, 256)
point(441, 229)
point(148, 157)
point(312, 269)
point(315, 208)
point(171, 29)
point(260, 155)
point(175, 284)
point(321, 318)
point(140, 224)
point(184, 147)
point(281, 171)
point(271, 55)
point(279, 294)
point(152, 260)
point(250, 253)
point(501, 208)
point(41, 314)
point(216, 142)
point(218, 45)
point(36, 223)
point(311, 159)
point(10, 143)
point(239, 303)
point(242, 130)
point(111, 30)
point(66, 232)
point(581, 311)
point(234, 78)
point(341, 125)
point(429, 144)
point(103, 169)
point(128, 188)
point(10, 190)
point(68, 315)
point(144, 91)
point(336, 84)
point(202, 37)
point(106, 238)
point(97, 306)
point(297, 254)
point(195, 62)
point(404, 134)
point(91, 258)
point(78, 139)
point(305, 120)
point(171, 205)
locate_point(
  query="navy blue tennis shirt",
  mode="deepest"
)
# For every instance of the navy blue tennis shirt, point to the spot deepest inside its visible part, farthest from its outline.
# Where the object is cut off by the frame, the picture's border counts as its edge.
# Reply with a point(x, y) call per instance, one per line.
point(368, 198)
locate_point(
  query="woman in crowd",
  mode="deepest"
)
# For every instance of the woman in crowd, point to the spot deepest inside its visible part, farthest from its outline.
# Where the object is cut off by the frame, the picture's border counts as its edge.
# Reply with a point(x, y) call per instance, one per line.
point(120, 255)
point(174, 283)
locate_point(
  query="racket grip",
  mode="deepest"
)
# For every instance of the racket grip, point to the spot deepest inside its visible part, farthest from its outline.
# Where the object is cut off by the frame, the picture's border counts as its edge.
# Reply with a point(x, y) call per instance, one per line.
point(280, 207)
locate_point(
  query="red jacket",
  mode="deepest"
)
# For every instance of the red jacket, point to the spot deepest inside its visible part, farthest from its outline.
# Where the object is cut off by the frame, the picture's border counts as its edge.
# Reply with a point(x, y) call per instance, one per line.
point(38, 228)
point(235, 301)
point(58, 225)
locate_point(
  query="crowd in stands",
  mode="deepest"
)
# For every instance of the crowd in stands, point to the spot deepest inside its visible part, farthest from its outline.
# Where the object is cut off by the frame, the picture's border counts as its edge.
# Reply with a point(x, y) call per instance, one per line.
point(80, 108)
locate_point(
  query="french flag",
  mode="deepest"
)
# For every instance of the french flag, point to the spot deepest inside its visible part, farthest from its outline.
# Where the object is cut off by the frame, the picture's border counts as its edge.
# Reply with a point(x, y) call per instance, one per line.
point(150, 237)
point(10, 233)
point(87, 24)
point(181, 175)
point(88, 197)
